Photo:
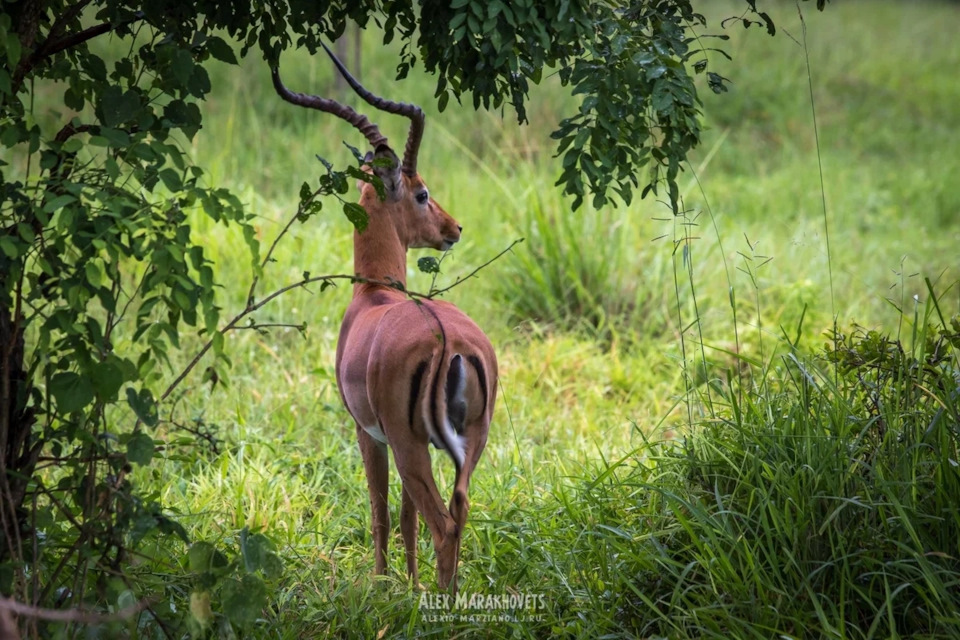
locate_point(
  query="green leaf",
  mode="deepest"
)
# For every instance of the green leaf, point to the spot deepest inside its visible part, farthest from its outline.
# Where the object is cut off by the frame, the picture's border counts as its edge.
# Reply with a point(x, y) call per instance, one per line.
point(118, 106)
point(199, 84)
point(108, 377)
point(96, 68)
point(258, 553)
point(357, 215)
point(458, 20)
point(168, 526)
point(10, 247)
point(143, 405)
point(203, 557)
point(200, 556)
point(71, 391)
point(428, 264)
point(211, 316)
point(221, 50)
point(243, 600)
point(59, 202)
point(126, 599)
point(662, 98)
point(115, 137)
point(140, 448)
point(13, 48)
point(181, 65)
point(272, 566)
point(171, 179)
point(92, 271)
point(182, 114)
point(13, 133)
point(217, 342)
point(73, 145)
point(253, 245)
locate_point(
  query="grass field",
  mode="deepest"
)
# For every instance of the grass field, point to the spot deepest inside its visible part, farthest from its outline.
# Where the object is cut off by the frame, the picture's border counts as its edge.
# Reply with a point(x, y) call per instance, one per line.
point(649, 471)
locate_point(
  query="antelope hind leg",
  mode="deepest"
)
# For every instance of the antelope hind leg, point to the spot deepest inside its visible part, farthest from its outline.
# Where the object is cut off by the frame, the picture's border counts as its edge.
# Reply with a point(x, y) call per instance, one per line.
point(376, 463)
point(413, 463)
point(410, 528)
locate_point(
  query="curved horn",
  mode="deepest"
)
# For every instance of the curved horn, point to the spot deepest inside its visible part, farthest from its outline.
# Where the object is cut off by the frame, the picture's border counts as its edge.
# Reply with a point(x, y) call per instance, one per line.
point(411, 111)
point(358, 120)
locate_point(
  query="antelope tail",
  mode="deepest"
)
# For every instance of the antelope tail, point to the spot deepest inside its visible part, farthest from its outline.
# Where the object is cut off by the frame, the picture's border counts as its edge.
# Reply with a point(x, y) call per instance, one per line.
point(446, 408)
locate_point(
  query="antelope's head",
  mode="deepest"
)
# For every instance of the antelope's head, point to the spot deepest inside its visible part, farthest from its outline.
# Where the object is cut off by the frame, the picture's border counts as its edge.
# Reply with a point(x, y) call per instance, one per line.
point(419, 221)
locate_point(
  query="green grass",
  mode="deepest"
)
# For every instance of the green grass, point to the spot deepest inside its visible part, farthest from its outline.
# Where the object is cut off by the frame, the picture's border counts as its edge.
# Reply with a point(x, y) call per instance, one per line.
point(780, 509)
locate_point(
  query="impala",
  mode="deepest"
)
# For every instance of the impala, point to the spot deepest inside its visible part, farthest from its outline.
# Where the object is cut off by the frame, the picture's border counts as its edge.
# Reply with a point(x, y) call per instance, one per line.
point(410, 372)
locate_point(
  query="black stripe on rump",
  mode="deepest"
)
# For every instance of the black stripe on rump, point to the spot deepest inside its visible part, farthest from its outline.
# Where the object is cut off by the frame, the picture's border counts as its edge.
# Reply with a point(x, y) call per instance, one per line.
point(415, 388)
point(481, 376)
point(456, 404)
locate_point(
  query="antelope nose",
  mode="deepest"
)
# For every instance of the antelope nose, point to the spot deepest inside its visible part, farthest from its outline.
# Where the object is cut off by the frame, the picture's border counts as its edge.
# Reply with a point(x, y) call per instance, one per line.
point(459, 228)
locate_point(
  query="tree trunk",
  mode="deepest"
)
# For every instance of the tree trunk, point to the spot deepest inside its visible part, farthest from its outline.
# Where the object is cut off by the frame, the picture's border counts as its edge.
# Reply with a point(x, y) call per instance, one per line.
point(18, 452)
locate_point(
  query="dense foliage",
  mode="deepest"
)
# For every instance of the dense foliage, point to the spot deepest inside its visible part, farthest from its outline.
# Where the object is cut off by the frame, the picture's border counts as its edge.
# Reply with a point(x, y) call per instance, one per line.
point(102, 275)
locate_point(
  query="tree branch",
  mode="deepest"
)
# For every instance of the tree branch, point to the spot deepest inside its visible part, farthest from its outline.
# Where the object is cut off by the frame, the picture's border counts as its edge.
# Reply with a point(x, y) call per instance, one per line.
point(250, 308)
point(69, 130)
point(54, 45)
point(70, 615)
point(48, 48)
point(69, 14)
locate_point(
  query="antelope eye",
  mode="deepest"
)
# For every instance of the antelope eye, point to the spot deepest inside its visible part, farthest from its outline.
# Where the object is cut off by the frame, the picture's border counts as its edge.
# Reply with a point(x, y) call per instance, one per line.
point(422, 197)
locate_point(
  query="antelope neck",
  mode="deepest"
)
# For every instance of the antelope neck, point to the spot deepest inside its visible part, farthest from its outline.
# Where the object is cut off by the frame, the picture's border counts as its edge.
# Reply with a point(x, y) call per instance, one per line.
point(378, 252)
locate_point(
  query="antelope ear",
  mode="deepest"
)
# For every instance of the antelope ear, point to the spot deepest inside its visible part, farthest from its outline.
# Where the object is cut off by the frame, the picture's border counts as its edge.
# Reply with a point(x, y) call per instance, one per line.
point(386, 166)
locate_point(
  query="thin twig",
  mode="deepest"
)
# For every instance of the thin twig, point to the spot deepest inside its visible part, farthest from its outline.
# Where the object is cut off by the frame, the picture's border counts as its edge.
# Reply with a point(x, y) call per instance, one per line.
point(52, 581)
point(164, 627)
point(436, 292)
point(53, 498)
point(273, 325)
point(210, 439)
point(273, 245)
point(50, 461)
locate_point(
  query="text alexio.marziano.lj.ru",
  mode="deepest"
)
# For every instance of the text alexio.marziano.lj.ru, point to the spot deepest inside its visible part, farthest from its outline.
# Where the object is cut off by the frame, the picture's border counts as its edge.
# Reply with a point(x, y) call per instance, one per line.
point(483, 602)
